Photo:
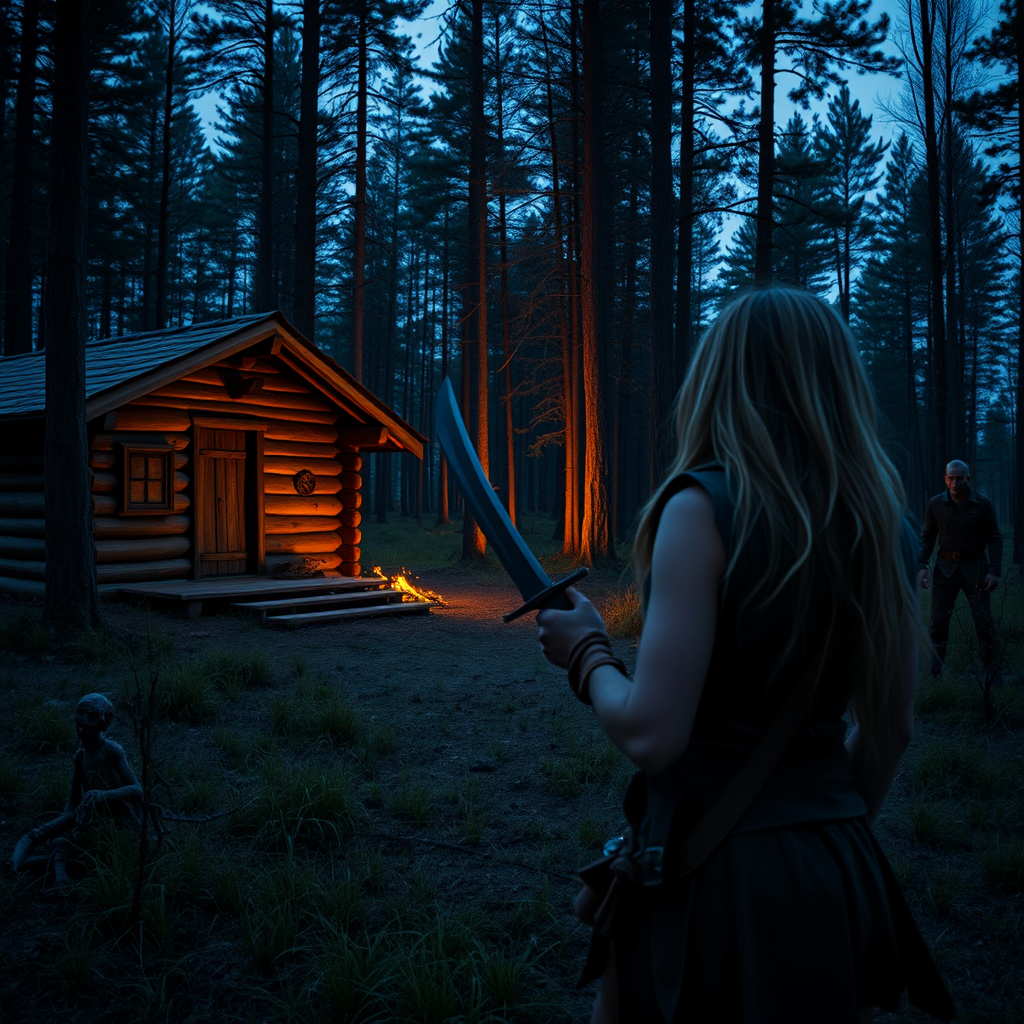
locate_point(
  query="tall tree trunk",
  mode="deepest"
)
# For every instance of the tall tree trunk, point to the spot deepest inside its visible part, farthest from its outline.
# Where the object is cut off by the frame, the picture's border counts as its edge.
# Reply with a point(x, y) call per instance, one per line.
point(71, 596)
point(506, 342)
point(1018, 448)
point(766, 147)
point(684, 244)
point(18, 303)
point(163, 216)
point(940, 366)
point(595, 534)
point(575, 472)
point(359, 200)
point(265, 298)
point(305, 172)
point(442, 469)
point(473, 541)
point(6, 75)
point(662, 347)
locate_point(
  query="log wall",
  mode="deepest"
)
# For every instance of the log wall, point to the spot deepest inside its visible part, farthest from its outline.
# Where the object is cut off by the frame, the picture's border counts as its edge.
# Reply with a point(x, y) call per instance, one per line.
point(22, 528)
point(303, 532)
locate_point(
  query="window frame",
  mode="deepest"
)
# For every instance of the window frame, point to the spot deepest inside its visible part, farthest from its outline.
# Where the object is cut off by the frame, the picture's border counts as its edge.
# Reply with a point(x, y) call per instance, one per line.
point(148, 451)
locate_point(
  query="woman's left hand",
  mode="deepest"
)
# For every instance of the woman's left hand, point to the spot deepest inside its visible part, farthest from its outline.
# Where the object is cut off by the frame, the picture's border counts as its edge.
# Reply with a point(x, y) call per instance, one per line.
point(561, 631)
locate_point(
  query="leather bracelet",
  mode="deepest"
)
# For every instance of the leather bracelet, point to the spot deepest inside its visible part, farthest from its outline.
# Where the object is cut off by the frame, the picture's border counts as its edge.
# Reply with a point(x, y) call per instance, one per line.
point(604, 658)
point(584, 641)
point(582, 650)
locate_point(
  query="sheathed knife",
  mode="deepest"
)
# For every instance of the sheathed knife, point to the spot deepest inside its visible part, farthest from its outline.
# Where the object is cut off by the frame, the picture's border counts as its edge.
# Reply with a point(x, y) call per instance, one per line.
point(482, 503)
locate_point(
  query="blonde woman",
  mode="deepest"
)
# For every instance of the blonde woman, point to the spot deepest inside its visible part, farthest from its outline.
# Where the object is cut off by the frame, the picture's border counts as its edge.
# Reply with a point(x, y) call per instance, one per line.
point(776, 565)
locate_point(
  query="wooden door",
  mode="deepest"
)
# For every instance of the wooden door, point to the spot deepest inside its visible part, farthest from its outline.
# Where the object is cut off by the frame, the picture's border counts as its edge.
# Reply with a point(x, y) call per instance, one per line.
point(220, 502)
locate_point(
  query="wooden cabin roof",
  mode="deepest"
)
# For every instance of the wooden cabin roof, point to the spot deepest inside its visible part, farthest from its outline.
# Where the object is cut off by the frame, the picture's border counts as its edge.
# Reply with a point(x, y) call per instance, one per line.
point(120, 370)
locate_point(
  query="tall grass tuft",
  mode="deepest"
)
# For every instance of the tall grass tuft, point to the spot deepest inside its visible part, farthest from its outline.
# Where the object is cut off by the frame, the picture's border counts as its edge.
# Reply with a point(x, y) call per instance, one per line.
point(955, 767)
point(46, 725)
point(621, 613)
point(186, 692)
point(309, 804)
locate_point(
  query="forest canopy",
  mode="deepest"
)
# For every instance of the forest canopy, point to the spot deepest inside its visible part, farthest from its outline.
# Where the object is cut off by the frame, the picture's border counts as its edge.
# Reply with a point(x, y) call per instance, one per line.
point(550, 212)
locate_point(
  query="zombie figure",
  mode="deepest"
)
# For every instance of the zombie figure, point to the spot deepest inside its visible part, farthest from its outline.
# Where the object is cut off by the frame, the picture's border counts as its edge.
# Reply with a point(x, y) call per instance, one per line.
point(102, 782)
point(777, 568)
point(964, 523)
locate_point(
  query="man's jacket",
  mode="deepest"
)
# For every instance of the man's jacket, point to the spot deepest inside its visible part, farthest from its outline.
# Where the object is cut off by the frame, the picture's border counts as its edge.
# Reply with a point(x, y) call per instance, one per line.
point(963, 532)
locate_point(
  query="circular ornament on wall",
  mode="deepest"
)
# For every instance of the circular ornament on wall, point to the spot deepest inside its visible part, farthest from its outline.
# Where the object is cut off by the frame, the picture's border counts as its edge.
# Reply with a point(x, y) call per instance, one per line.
point(304, 482)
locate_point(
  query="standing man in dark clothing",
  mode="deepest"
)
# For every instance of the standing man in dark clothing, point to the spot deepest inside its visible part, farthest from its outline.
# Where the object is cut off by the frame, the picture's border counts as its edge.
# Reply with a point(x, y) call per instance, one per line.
point(964, 522)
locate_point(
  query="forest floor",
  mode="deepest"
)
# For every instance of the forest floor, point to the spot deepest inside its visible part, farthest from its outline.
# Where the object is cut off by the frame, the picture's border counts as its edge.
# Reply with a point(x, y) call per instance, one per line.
point(422, 790)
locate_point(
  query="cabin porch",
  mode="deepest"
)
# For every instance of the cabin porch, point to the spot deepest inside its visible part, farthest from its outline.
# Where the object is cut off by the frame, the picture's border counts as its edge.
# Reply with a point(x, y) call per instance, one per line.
point(282, 602)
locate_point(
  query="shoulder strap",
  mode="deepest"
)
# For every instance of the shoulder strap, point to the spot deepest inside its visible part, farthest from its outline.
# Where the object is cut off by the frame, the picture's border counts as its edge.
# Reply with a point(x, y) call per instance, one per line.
point(688, 852)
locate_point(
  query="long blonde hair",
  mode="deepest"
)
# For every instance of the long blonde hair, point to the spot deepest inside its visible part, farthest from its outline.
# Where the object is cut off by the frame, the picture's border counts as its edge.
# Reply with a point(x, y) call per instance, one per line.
point(777, 395)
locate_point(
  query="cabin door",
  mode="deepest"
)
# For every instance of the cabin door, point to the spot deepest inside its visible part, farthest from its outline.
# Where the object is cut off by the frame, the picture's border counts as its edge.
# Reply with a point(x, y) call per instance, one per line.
point(221, 478)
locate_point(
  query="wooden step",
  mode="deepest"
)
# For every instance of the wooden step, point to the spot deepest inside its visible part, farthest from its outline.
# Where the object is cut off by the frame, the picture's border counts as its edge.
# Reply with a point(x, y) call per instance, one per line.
point(349, 596)
point(364, 612)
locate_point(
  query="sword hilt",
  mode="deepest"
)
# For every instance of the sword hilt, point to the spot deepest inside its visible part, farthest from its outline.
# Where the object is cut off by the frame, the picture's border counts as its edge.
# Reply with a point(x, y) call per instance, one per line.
point(545, 596)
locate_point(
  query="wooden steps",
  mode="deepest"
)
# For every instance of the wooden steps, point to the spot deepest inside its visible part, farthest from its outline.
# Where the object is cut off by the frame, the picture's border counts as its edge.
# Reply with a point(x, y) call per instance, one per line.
point(347, 604)
point(361, 612)
point(286, 602)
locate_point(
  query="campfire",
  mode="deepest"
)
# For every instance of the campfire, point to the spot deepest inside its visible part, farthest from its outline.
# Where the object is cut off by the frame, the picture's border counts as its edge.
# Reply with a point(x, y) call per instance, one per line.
point(402, 582)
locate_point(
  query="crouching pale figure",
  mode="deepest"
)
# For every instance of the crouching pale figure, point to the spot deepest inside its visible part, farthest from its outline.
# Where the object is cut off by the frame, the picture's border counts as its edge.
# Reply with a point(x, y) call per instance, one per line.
point(102, 782)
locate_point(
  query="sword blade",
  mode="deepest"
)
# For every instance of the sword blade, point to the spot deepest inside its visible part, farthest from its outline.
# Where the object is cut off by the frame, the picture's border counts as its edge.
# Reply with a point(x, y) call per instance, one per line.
point(481, 501)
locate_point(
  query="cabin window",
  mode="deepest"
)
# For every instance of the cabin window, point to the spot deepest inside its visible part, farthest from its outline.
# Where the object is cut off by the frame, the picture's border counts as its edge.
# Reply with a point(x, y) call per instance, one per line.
point(148, 478)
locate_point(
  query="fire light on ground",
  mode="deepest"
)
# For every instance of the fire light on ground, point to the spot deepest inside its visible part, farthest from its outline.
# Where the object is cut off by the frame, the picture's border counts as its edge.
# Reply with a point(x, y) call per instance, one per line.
point(402, 582)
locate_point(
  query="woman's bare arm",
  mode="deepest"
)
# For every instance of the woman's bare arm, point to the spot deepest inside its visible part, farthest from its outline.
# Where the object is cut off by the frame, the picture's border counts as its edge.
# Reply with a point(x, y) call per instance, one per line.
point(649, 718)
point(874, 775)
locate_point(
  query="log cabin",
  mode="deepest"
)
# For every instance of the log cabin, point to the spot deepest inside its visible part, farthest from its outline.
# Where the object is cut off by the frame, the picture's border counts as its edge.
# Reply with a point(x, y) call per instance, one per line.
point(220, 449)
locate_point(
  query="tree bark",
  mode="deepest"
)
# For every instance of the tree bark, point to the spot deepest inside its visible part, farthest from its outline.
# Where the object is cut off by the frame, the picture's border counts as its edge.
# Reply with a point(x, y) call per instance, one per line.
point(684, 244)
point(595, 539)
point(163, 216)
point(442, 469)
point(766, 147)
point(305, 172)
point(940, 365)
point(359, 204)
point(18, 304)
point(1018, 504)
point(71, 596)
point(662, 347)
point(506, 341)
point(473, 541)
point(264, 298)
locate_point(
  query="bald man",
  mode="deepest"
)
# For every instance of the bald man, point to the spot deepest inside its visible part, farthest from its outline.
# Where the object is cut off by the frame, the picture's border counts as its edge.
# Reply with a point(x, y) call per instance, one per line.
point(964, 522)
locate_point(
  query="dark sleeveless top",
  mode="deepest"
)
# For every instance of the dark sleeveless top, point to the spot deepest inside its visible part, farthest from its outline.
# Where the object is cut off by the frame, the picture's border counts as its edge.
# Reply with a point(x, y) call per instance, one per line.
point(754, 665)
point(794, 917)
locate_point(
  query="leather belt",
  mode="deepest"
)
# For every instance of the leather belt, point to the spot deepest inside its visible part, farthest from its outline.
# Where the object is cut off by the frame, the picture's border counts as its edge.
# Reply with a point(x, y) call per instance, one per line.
point(960, 556)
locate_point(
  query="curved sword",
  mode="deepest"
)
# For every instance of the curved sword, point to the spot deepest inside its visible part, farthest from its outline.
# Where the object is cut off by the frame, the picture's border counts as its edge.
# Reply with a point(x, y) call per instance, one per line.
point(482, 503)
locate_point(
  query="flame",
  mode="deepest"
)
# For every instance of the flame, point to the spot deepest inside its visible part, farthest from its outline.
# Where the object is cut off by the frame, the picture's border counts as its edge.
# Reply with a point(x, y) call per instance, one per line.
point(401, 582)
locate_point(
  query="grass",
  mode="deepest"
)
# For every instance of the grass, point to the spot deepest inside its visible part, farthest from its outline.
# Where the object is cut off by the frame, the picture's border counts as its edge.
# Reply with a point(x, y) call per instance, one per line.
point(411, 803)
point(22, 631)
point(12, 778)
point(961, 766)
point(1003, 865)
point(186, 692)
point(310, 804)
point(317, 712)
point(46, 725)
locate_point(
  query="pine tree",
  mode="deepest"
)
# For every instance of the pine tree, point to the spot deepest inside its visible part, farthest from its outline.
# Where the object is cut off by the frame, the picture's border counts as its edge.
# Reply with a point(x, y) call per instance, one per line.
point(819, 47)
point(851, 168)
